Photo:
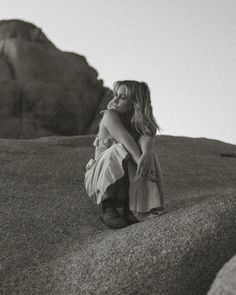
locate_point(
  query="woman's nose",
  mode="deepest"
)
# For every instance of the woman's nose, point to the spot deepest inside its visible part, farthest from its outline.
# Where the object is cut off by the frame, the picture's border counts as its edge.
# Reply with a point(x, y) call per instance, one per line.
point(115, 99)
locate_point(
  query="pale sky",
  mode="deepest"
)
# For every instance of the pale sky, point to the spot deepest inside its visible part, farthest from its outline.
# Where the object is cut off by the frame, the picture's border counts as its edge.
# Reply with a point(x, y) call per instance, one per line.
point(184, 49)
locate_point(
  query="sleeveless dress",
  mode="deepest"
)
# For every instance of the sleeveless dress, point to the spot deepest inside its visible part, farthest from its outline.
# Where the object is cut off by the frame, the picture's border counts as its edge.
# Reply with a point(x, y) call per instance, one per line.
point(106, 168)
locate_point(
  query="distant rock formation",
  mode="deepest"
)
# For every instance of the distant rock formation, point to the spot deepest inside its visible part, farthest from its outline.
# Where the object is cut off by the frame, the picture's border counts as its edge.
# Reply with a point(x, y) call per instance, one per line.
point(44, 91)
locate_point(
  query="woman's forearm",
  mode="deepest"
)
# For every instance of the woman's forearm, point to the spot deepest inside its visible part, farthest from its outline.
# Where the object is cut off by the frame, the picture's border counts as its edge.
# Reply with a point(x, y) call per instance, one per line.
point(146, 143)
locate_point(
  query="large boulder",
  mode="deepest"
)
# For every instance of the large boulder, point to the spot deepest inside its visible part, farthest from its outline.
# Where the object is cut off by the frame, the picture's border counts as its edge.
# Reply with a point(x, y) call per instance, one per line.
point(53, 241)
point(43, 90)
point(225, 282)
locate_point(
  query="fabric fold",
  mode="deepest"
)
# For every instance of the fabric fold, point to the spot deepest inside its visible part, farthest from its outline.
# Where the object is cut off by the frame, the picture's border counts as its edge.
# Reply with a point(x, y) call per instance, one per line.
point(107, 167)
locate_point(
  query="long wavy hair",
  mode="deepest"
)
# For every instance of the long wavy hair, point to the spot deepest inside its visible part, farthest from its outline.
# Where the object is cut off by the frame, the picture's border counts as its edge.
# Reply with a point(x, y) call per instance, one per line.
point(141, 119)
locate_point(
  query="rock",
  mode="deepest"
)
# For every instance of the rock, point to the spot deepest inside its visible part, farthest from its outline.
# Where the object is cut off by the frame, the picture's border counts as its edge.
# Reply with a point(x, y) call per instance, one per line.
point(53, 241)
point(55, 92)
point(20, 29)
point(225, 283)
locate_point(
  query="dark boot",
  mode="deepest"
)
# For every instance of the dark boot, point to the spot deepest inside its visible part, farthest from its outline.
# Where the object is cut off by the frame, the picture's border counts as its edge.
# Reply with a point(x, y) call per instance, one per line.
point(110, 216)
point(128, 214)
point(116, 192)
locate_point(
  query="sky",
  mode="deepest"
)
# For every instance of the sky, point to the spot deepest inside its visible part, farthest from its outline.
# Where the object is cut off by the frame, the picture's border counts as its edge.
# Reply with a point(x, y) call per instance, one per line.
point(184, 49)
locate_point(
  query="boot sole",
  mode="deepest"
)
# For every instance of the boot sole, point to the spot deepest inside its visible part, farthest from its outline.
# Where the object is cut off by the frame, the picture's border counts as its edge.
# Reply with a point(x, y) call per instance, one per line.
point(113, 226)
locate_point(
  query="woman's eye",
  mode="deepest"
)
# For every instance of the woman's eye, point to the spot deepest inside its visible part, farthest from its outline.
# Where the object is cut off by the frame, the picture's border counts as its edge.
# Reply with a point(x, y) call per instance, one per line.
point(120, 96)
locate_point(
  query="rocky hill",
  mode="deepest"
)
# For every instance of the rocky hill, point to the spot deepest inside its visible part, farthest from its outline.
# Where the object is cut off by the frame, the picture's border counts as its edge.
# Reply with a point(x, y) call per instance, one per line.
point(43, 90)
point(53, 241)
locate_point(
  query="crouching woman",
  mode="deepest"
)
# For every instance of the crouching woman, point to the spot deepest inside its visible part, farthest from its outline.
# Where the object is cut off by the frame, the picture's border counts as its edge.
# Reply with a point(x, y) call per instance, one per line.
point(125, 175)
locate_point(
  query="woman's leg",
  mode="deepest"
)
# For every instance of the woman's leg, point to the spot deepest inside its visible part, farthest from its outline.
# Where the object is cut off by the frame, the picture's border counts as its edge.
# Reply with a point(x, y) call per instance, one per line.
point(117, 198)
point(118, 192)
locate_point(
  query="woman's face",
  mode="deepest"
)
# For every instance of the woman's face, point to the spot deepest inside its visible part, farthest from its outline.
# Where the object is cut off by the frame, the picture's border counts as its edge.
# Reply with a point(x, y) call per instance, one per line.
point(120, 102)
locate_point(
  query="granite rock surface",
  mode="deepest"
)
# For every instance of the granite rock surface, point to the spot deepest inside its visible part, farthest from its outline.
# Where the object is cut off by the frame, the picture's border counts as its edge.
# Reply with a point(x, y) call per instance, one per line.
point(225, 282)
point(53, 241)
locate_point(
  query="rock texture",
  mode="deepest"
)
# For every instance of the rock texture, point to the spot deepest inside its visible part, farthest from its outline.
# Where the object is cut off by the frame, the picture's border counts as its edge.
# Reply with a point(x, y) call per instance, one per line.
point(44, 91)
point(225, 283)
point(53, 242)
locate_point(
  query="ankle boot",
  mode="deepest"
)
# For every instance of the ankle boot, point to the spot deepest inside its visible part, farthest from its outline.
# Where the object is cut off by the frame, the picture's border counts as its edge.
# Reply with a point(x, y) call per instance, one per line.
point(128, 214)
point(110, 216)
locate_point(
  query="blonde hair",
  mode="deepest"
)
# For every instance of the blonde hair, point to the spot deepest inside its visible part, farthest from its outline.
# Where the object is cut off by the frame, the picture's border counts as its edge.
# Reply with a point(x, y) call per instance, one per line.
point(142, 119)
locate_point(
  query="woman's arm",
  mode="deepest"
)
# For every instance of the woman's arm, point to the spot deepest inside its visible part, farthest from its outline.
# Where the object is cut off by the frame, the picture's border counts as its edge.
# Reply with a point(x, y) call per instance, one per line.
point(112, 121)
point(146, 143)
point(145, 166)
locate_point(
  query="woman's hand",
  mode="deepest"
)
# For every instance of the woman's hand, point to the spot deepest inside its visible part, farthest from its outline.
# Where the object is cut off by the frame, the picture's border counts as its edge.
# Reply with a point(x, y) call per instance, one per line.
point(145, 165)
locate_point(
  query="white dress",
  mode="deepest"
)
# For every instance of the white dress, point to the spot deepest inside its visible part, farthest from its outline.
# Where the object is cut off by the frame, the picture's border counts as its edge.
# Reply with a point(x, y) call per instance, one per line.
point(106, 168)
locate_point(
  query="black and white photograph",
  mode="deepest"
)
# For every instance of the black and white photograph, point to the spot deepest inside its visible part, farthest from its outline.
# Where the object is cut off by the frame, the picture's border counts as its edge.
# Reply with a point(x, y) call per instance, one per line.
point(118, 147)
